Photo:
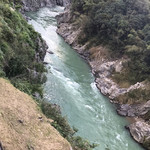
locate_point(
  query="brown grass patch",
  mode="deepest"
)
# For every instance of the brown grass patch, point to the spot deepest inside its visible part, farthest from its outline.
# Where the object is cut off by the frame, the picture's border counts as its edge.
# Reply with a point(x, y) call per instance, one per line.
point(20, 126)
point(99, 53)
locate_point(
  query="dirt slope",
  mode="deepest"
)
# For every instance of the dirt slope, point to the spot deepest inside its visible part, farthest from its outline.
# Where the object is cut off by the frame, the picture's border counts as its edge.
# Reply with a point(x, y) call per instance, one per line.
point(22, 125)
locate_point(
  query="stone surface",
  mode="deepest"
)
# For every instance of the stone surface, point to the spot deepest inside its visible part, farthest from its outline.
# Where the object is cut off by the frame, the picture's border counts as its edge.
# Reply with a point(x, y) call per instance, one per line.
point(33, 5)
point(102, 69)
point(41, 51)
point(134, 109)
point(107, 86)
point(140, 131)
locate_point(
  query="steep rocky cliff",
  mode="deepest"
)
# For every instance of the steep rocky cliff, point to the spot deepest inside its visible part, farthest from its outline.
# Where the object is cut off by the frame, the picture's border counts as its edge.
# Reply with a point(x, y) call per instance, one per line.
point(103, 66)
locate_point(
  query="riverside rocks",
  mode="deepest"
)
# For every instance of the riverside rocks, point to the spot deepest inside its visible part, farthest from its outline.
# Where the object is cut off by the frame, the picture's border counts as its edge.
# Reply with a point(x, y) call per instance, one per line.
point(102, 68)
point(140, 131)
point(33, 5)
point(41, 51)
point(106, 85)
point(134, 109)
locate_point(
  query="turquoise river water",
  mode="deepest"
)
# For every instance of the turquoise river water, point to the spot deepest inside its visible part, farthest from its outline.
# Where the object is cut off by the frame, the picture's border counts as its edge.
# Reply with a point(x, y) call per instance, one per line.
point(71, 85)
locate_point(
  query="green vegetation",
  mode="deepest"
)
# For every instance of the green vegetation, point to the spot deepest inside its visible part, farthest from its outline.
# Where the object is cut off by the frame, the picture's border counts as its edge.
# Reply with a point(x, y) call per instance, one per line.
point(19, 50)
point(134, 96)
point(123, 26)
point(19, 46)
point(21, 62)
point(61, 124)
point(147, 144)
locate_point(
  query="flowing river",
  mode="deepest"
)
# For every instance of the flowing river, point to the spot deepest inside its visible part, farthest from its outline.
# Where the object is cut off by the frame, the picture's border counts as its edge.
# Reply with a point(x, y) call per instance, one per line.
point(70, 84)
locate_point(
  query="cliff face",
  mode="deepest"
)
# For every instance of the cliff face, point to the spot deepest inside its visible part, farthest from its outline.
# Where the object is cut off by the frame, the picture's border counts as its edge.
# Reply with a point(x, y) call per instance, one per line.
point(22, 125)
point(103, 67)
point(32, 5)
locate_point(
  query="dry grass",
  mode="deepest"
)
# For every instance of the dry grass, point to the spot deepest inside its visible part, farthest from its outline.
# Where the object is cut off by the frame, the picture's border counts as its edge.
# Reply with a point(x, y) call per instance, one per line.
point(99, 53)
point(135, 96)
point(20, 126)
point(121, 80)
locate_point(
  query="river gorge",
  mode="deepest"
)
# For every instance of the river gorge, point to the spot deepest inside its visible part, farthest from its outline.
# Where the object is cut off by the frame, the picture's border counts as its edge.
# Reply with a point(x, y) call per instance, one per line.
point(71, 85)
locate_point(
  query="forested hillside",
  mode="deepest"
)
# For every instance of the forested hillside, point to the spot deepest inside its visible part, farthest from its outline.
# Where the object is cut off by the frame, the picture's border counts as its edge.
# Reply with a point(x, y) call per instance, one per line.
point(123, 26)
point(22, 50)
point(114, 37)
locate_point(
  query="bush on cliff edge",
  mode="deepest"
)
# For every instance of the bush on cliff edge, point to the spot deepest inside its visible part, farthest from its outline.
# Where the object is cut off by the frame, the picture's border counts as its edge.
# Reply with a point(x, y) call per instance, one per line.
point(19, 49)
point(61, 124)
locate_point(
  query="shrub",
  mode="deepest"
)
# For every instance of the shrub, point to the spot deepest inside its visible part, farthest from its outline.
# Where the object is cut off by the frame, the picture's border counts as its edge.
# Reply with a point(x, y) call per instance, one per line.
point(23, 86)
point(18, 47)
point(26, 86)
point(60, 123)
point(15, 67)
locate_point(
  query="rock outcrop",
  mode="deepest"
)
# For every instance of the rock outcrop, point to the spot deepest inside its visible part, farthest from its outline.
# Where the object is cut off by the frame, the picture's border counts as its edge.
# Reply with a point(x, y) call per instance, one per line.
point(33, 5)
point(140, 131)
point(104, 82)
point(41, 50)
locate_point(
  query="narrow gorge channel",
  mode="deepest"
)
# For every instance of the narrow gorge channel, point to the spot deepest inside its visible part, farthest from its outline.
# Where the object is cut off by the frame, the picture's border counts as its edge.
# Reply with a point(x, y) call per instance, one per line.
point(70, 84)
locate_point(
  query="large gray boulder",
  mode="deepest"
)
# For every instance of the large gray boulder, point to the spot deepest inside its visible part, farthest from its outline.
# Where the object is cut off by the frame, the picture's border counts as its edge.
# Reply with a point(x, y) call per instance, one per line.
point(140, 131)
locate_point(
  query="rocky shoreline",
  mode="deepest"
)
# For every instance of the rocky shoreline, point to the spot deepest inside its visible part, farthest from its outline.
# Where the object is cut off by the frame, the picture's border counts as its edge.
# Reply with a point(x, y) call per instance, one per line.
point(33, 5)
point(102, 68)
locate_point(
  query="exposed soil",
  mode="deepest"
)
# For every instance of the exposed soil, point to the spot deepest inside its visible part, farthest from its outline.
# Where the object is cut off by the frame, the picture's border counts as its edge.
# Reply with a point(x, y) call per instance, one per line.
point(22, 125)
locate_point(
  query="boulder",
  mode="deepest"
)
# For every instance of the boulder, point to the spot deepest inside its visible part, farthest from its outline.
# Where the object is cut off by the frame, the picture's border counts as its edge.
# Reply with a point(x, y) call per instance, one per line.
point(140, 131)
point(50, 52)
point(134, 109)
point(41, 51)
